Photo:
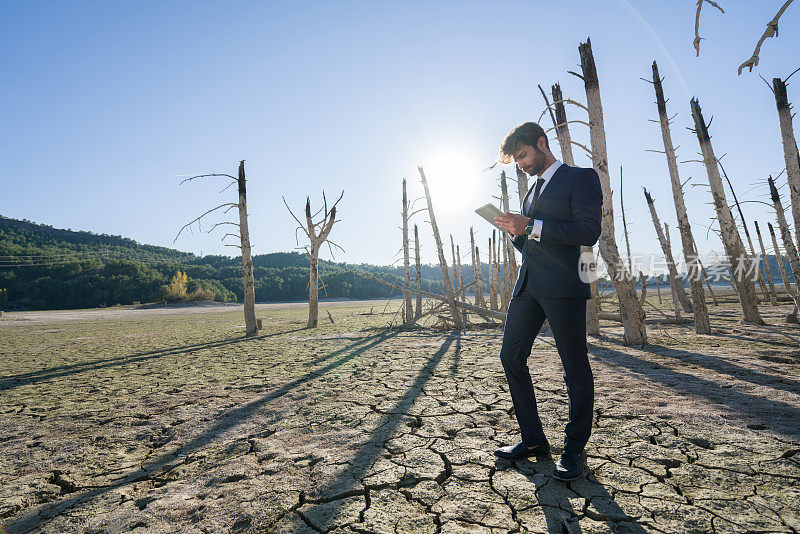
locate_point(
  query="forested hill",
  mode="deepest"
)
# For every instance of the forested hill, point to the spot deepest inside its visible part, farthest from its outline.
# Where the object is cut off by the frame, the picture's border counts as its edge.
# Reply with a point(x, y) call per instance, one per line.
point(42, 267)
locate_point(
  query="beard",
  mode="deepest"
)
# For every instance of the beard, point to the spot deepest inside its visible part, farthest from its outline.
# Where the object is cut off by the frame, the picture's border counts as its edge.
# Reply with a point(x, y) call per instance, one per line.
point(537, 165)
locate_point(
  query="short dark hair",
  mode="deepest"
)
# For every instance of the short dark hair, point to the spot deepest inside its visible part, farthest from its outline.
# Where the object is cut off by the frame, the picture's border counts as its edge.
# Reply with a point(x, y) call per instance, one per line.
point(524, 134)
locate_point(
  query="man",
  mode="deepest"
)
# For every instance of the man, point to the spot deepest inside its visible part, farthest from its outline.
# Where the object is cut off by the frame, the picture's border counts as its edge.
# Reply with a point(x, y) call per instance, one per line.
point(561, 212)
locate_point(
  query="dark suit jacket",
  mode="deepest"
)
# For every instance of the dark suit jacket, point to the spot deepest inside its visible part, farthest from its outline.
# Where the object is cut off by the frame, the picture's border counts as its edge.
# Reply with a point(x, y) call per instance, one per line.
point(570, 208)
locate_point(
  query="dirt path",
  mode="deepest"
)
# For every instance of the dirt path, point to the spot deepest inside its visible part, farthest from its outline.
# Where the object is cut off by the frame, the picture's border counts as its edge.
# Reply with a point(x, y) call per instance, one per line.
point(167, 422)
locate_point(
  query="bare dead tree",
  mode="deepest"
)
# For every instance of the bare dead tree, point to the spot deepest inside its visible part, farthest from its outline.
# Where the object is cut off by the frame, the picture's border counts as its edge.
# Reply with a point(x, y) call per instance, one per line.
point(770, 31)
point(704, 277)
point(522, 186)
point(643, 281)
point(624, 224)
point(418, 307)
point(746, 231)
point(511, 265)
point(787, 285)
point(697, 37)
point(783, 226)
point(456, 281)
point(251, 326)
point(790, 153)
point(317, 234)
point(631, 309)
point(773, 295)
point(561, 124)
point(460, 273)
point(492, 275)
point(477, 271)
point(409, 312)
point(693, 266)
point(675, 282)
point(448, 286)
point(734, 247)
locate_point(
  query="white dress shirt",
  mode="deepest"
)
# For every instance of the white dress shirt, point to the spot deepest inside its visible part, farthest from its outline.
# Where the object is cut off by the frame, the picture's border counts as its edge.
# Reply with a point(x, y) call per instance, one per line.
point(537, 223)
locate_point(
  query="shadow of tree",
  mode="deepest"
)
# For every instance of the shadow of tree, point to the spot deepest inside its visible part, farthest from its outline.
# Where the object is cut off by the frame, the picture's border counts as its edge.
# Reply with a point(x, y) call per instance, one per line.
point(34, 377)
point(348, 483)
point(765, 411)
point(34, 518)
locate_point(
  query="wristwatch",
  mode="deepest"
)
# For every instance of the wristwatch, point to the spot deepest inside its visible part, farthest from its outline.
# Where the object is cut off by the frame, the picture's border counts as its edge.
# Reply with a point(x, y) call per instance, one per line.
point(529, 230)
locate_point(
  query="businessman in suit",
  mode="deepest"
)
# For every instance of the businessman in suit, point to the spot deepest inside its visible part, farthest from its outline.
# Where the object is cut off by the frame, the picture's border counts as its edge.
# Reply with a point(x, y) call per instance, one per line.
point(561, 212)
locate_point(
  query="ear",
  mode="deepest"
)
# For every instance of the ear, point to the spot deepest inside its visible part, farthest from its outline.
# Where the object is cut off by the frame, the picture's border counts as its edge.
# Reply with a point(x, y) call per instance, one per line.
point(541, 144)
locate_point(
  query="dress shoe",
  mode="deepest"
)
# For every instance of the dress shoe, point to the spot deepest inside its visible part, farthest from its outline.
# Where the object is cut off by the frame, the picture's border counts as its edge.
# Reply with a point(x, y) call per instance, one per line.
point(521, 450)
point(570, 465)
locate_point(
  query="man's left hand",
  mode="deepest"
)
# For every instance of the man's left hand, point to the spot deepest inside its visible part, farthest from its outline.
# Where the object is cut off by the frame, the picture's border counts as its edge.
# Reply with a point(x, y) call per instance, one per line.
point(513, 223)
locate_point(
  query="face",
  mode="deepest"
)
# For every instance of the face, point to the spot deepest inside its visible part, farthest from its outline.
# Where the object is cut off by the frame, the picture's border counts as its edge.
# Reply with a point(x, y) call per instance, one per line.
point(530, 159)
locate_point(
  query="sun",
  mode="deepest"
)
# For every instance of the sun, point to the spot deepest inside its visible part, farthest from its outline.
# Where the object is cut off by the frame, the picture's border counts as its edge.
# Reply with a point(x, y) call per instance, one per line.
point(455, 179)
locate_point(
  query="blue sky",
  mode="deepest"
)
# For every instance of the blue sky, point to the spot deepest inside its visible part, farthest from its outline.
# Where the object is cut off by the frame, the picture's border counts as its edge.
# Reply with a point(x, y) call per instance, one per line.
point(106, 104)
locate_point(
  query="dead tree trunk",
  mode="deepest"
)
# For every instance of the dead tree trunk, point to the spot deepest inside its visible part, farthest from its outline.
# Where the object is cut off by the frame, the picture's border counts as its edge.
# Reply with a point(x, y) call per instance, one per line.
point(317, 233)
point(746, 232)
point(643, 280)
point(251, 325)
point(773, 295)
point(460, 274)
point(631, 310)
point(522, 187)
point(456, 281)
point(624, 224)
point(505, 290)
point(448, 286)
point(512, 259)
point(790, 153)
point(477, 271)
point(786, 235)
point(734, 248)
point(694, 270)
point(492, 276)
point(787, 286)
point(676, 284)
point(418, 308)
point(704, 275)
point(565, 142)
point(247, 260)
point(409, 311)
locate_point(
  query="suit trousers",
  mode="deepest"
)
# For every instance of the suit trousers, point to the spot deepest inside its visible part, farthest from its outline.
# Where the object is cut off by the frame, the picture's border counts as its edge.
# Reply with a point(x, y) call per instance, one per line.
point(567, 318)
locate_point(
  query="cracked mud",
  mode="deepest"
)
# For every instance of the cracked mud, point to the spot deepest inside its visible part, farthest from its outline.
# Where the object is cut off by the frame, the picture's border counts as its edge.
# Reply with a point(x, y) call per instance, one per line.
point(163, 422)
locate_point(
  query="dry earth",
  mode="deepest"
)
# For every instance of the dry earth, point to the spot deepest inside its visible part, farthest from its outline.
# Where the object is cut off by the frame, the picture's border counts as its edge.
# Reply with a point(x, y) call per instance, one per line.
point(147, 421)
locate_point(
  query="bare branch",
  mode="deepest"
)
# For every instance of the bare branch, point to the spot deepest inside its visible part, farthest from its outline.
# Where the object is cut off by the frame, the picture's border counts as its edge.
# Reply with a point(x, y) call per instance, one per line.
point(567, 122)
point(220, 224)
point(771, 31)
point(295, 217)
point(697, 37)
point(201, 216)
point(205, 175)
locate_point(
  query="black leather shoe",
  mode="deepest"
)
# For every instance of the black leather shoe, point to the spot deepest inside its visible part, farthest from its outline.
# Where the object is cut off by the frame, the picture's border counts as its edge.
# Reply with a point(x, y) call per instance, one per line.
point(570, 465)
point(520, 451)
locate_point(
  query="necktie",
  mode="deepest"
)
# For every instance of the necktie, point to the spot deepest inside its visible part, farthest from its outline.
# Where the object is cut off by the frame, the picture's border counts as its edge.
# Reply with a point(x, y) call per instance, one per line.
point(536, 192)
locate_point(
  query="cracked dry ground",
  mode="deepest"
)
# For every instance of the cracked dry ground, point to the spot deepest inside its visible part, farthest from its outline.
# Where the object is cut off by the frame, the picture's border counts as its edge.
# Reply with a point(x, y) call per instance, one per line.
point(151, 423)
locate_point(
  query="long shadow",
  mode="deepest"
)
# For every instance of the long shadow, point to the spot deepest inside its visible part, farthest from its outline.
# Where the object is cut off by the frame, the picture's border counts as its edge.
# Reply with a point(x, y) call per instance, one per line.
point(723, 366)
point(11, 382)
point(344, 484)
point(758, 408)
point(456, 356)
point(227, 420)
point(559, 513)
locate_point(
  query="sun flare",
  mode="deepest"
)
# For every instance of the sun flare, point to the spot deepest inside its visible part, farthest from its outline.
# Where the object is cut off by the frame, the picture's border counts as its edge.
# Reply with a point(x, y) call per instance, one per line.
point(455, 178)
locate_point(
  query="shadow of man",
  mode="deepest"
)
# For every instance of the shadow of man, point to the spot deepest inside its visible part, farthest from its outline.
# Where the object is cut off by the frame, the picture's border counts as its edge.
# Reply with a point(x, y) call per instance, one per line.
point(557, 506)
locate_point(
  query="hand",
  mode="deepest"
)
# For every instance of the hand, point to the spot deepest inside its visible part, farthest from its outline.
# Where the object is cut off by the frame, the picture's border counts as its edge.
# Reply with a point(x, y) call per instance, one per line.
point(513, 223)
